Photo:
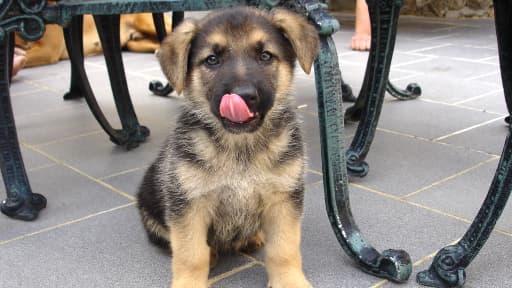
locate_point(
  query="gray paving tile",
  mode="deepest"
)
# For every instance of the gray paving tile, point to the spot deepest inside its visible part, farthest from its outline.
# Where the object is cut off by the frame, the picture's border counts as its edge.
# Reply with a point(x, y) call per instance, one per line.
point(449, 67)
point(46, 101)
point(20, 86)
point(94, 149)
point(463, 195)
point(480, 36)
point(428, 120)
point(110, 250)
point(493, 77)
point(70, 196)
point(127, 181)
point(52, 72)
point(435, 87)
point(400, 165)
point(467, 52)
point(488, 138)
point(494, 102)
point(54, 125)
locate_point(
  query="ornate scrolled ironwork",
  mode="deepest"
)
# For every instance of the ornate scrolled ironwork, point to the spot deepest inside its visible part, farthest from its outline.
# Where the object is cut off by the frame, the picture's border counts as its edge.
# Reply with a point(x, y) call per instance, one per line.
point(22, 16)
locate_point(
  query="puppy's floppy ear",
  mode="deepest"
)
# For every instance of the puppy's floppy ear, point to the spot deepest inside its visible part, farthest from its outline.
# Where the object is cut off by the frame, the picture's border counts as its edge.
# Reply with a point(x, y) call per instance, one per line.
point(173, 54)
point(302, 35)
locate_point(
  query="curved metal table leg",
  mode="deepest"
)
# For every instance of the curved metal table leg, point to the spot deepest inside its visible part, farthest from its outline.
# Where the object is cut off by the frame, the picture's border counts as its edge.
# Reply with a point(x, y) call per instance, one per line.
point(384, 18)
point(132, 133)
point(447, 269)
point(21, 203)
point(391, 264)
point(74, 43)
point(156, 86)
point(75, 91)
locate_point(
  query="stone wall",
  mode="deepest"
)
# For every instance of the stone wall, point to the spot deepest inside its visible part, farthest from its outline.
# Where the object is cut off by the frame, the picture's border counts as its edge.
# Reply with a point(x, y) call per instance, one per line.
point(433, 8)
point(448, 8)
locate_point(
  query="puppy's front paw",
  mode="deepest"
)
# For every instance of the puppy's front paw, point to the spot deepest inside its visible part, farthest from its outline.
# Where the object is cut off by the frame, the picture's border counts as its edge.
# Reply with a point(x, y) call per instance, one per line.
point(298, 281)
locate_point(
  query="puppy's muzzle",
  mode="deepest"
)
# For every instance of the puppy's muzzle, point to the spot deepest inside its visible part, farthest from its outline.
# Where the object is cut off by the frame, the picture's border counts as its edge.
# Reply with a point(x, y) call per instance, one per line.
point(249, 94)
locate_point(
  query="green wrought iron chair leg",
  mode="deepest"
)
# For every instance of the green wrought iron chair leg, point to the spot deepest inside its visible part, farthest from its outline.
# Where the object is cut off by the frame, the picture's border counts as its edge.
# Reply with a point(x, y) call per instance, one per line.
point(108, 30)
point(447, 269)
point(21, 203)
point(74, 86)
point(74, 43)
point(412, 91)
point(156, 86)
point(384, 19)
point(391, 264)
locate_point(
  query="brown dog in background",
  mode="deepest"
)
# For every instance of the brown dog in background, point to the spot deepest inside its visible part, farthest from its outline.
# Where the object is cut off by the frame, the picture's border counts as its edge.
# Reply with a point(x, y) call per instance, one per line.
point(137, 33)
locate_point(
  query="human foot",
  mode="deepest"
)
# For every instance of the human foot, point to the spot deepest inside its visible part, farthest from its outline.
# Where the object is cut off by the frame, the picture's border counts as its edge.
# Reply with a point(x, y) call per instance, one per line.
point(19, 60)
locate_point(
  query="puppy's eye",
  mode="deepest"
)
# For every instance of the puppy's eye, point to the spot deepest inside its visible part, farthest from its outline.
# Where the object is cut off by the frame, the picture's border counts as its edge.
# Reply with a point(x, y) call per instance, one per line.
point(266, 56)
point(212, 60)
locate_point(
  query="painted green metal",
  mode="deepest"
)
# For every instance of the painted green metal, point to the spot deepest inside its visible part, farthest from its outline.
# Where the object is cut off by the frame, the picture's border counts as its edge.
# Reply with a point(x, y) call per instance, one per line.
point(391, 264)
point(21, 203)
point(412, 91)
point(384, 19)
point(448, 266)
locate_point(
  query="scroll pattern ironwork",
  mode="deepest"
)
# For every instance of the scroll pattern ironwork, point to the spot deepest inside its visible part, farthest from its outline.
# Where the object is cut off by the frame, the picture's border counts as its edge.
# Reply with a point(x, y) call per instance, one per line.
point(22, 16)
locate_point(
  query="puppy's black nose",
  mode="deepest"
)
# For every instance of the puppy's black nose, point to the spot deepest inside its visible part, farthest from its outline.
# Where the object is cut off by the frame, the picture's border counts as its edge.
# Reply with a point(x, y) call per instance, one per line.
point(248, 93)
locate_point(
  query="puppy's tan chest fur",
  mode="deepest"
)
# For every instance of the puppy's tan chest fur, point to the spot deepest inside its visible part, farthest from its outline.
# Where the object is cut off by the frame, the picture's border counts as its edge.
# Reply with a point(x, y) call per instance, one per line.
point(238, 190)
point(234, 172)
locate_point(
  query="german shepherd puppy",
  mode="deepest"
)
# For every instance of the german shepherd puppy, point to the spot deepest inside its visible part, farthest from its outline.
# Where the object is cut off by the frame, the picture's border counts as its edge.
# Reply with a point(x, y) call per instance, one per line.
point(230, 176)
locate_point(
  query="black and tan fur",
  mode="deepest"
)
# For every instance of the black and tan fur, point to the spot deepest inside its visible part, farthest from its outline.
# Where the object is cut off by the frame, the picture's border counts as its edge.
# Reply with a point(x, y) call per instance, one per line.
point(219, 186)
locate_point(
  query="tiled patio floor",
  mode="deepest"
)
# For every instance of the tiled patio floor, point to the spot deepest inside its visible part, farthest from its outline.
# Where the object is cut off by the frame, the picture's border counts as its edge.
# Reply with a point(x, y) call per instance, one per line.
point(431, 164)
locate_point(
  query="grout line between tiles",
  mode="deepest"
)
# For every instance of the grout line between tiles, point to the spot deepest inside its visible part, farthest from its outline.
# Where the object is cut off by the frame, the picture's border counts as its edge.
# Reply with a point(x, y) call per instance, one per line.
point(98, 181)
point(314, 171)
point(468, 129)
point(41, 86)
point(122, 173)
point(252, 258)
point(492, 92)
point(40, 167)
point(428, 208)
point(430, 47)
point(426, 59)
point(458, 106)
point(60, 140)
point(51, 228)
point(450, 177)
point(482, 75)
point(435, 142)
point(230, 273)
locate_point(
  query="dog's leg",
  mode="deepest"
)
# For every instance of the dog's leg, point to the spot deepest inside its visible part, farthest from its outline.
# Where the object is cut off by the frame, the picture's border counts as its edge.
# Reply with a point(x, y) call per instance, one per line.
point(191, 254)
point(281, 225)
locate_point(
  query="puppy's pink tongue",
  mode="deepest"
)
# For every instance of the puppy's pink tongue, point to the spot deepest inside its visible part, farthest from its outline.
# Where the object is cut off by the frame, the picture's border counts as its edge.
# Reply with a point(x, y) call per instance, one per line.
point(234, 108)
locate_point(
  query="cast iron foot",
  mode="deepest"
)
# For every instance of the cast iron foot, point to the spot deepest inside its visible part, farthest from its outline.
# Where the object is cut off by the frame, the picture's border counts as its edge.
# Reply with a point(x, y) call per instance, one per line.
point(21, 209)
point(446, 270)
point(72, 95)
point(346, 93)
point(355, 166)
point(131, 139)
point(412, 91)
point(159, 89)
point(395, 265)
